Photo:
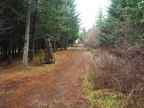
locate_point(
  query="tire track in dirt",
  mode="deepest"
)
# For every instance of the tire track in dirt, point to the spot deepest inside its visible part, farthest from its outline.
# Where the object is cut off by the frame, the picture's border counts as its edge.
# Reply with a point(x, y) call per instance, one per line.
point(61, 88)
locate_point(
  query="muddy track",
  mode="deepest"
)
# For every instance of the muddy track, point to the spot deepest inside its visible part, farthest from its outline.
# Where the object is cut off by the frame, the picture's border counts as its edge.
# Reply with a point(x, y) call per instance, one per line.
point(61, 87)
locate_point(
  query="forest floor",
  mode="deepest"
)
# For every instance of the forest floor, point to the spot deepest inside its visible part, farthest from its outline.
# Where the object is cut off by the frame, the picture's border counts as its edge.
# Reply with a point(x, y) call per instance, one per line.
point(58, 85)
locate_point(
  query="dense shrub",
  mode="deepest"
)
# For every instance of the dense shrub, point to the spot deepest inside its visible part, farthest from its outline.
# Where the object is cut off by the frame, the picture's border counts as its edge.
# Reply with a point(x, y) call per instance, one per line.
point(122, 71)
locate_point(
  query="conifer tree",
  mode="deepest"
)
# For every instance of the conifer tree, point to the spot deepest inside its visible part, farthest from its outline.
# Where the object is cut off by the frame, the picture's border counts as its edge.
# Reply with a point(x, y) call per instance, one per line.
point(124, 23)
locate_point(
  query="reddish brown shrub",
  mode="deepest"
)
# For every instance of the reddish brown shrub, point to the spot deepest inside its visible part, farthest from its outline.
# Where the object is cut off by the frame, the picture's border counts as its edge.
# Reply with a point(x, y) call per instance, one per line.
point(91, 37)
point(123, 74)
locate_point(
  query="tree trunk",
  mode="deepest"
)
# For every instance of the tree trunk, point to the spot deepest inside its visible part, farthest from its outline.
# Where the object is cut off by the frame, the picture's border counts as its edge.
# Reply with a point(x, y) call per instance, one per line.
point(26, 42)
point(66, 44)
point(61, 44)
point(48, 51)
point(72, 42)
point(20, 46)
point(20, 40)
point(9, 51)
point(5, 52)
point(1, 53)
point(32, 45)
point(54, 43)
point(15, 49)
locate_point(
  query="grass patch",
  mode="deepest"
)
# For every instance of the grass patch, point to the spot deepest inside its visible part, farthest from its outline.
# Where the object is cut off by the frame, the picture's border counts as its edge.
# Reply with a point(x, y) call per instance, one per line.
point(104, 98)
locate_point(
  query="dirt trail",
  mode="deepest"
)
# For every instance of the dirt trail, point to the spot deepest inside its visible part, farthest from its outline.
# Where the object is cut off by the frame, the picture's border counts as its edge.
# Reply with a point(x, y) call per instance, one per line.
point(59, 86)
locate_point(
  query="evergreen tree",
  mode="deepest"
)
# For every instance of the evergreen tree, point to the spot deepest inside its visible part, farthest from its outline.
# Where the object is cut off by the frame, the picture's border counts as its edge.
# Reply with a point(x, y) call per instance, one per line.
point(24, 25)
point(124, 23)
point(99, 17)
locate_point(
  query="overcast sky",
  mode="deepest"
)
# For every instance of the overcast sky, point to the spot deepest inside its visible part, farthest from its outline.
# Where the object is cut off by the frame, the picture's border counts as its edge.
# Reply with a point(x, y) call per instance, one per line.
point(89, 9)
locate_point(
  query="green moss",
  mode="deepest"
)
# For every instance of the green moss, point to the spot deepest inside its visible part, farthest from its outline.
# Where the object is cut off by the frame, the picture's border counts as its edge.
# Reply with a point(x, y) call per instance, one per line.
point(105, 99)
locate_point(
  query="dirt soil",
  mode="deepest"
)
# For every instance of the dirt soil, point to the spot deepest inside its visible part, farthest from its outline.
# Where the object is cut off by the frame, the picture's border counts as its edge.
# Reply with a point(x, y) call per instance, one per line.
point(58, 85)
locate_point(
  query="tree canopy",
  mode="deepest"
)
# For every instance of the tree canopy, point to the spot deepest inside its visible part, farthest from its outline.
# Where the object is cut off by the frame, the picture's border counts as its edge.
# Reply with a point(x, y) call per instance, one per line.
point(55, 18)
point(124, 24)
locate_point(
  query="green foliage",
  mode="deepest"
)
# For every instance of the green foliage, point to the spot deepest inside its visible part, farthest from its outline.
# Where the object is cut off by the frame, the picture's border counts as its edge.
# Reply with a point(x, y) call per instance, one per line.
point(123, 24)
point(58, 19)
point(105, 99)
point(55, 18)
point(101, 98)
point(41, 56)
point(100, 17)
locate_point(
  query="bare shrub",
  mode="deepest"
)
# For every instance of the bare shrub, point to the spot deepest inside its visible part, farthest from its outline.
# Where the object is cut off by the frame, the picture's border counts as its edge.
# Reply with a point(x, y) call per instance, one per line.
point(91, 37)
point(120, 73)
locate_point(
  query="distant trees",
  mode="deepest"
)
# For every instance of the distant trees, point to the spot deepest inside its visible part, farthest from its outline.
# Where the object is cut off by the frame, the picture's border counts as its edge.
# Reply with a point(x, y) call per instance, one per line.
point(24, 25)
point(124, 24)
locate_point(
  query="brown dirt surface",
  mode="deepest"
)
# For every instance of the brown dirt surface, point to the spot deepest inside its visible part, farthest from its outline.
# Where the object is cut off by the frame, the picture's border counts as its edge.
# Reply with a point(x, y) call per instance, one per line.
point(58, 85)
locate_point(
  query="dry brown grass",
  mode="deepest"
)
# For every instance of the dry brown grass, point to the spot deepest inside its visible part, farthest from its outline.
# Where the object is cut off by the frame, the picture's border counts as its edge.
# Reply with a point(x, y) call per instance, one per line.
point(122, 71)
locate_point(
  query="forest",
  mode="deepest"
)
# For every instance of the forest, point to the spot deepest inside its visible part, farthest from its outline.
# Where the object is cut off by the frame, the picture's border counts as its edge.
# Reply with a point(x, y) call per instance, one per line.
point(24, 25)
point(43, 66)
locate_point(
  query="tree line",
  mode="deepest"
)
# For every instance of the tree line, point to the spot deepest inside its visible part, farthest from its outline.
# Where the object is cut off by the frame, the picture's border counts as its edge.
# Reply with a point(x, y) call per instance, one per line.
point(24, 25)
point(123, 25)
point(118, 61)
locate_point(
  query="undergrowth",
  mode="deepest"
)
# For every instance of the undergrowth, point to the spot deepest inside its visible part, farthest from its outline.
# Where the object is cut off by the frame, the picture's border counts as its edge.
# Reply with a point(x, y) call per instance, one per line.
point(116, 81)
point(41, 56)
point(103, 98)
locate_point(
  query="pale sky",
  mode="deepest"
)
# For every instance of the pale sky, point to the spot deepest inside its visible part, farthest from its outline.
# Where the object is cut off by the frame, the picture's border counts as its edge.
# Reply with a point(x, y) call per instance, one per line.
point(89, 9)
